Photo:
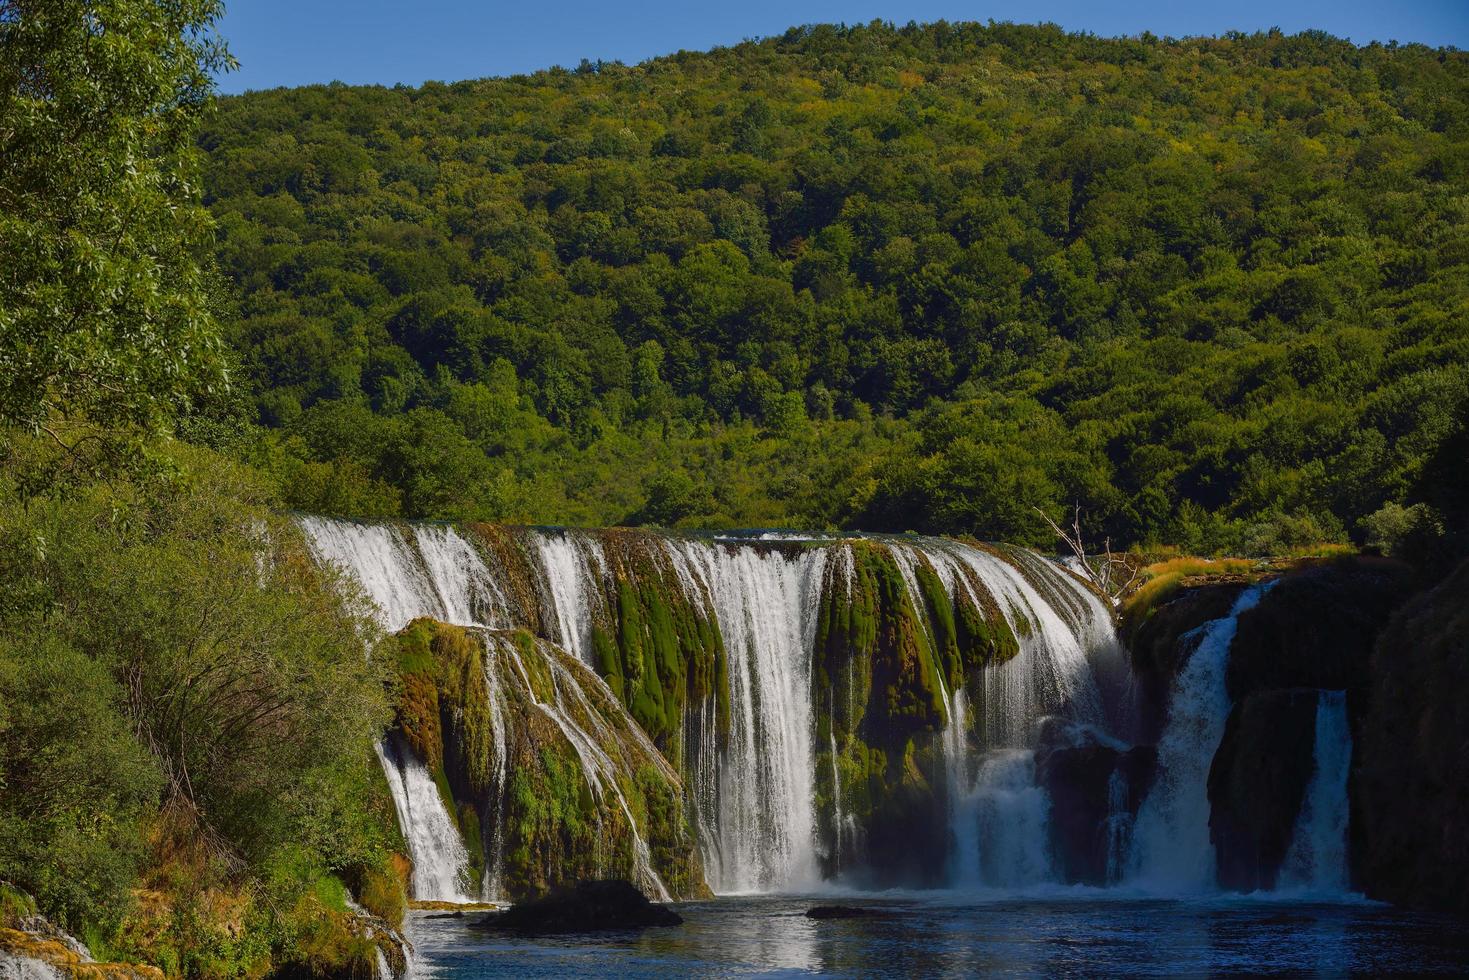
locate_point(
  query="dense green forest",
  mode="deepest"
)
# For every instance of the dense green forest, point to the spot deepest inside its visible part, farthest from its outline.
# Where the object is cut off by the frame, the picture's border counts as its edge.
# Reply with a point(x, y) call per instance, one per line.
point(930, 278)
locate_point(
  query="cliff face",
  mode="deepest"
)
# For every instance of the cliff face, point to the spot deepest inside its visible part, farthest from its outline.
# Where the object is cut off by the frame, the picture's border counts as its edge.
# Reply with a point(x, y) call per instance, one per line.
point(1411, 814)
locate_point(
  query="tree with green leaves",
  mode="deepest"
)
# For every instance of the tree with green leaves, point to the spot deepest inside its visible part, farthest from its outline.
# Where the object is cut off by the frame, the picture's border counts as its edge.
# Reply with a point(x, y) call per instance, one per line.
point(105, 309)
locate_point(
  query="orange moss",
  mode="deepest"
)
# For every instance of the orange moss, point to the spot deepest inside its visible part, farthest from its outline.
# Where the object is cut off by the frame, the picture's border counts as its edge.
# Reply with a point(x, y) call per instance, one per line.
point(13, 942)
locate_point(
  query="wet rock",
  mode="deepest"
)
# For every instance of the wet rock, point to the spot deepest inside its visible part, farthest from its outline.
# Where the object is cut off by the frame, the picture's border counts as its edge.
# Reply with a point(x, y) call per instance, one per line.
point(38, 950)
point(1096, 786)
point(1316, 627)
point(1257, 782)
point(589, 906)
point(1410, 818)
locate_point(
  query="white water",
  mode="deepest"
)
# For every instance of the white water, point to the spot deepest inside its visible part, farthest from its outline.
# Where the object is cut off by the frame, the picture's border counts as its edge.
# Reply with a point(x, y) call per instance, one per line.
point(1171, 847)
point(1118, 826)
point(1007, 817)
point(440, 862)
point(575, 567)
point(1059, 631)
point(570, 709)
point(997, 817)
point(756, 796)
point(1316, 861)
point(754, 792)
point(430, 570)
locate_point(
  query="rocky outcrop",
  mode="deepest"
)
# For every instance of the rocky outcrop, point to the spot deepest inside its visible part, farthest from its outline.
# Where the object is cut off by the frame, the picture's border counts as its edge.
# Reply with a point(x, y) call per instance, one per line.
point(1316, 627)
point(546, 776)
point(888, 647)
point(1095, 786)
point(586, 907)
point(32, 948)
point(1411, 806)
point(1257, 782)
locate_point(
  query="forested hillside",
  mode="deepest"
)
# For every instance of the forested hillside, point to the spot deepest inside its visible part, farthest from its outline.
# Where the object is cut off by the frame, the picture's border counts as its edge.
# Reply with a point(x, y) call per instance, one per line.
point(928, 278)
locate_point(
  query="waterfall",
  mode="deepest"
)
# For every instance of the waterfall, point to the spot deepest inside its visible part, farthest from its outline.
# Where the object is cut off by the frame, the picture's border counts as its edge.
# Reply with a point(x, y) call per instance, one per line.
point(751, 786)
point(1317, 858)
point(440, 861)
point(756, 797)
point(1171, 846)
point(404, 583)
point(1008, 815)
point(1057, 629)
point(1118, 826)
point(492, 889)
point(575, 567)
point(997, 816)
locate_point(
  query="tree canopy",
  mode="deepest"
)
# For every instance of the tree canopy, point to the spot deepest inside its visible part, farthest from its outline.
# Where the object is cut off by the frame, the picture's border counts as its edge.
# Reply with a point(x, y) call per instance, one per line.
point(104, 247)
point(928, 277)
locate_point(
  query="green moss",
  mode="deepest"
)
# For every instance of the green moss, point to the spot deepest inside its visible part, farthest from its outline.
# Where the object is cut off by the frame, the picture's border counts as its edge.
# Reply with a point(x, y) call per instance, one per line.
point(381, 888)
point(663, 652)
point(609, 661)
point(14, 904)
point(553, 827)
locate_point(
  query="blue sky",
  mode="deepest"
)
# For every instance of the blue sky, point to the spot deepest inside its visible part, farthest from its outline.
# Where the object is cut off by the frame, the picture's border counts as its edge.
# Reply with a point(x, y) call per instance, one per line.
point(296, 42)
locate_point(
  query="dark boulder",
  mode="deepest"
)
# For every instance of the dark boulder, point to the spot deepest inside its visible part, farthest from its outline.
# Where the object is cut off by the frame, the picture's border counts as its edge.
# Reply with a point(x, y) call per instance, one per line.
point(1257, 782)
point(1095, 786)
point(1410, 816)
point(841, 912)
point(905, 836)
point(1316, 627)
point(589, 906)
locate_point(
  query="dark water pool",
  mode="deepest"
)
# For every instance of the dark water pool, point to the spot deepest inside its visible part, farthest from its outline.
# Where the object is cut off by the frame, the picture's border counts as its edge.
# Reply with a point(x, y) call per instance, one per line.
point(1080, 935)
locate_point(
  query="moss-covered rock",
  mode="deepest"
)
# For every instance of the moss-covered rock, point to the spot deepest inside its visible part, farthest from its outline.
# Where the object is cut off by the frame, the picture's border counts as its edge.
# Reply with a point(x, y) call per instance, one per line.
point(886, 655)
point(544, 772)
point(661, 649)
point(443, 715)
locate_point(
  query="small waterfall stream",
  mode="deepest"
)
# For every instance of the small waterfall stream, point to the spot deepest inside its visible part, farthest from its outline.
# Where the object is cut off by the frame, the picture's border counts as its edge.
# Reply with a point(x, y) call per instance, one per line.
point(756, 796)
point(1317, 859)
point(1172, 851)
point(439, 858)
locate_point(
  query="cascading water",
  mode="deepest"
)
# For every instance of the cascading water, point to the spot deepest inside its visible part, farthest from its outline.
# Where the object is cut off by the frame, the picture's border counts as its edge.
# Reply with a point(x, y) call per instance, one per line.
point(433, 571)
point(575, 568)
point(997, 815)
point(405, 584)
point(1171, 847)
point(572, 712)
point(1118, 826)
point(1007, 814)
point(750, 774)
point(755, 797)
point(440, 861)
point(1316, 861)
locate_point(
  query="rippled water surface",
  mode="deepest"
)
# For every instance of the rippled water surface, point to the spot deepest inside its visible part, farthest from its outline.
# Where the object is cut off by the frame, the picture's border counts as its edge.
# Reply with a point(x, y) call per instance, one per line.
point(1076, 934)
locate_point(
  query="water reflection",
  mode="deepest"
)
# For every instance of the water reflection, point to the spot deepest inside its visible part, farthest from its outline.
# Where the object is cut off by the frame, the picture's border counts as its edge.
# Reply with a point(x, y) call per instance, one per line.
point(950, 937)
